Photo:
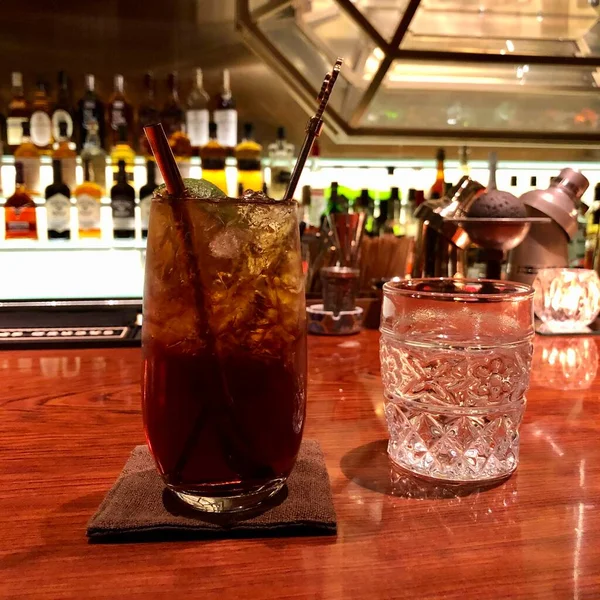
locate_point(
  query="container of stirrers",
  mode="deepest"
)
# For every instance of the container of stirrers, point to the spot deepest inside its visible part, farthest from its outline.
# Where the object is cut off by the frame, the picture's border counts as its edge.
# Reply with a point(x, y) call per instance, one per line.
point(384, 257)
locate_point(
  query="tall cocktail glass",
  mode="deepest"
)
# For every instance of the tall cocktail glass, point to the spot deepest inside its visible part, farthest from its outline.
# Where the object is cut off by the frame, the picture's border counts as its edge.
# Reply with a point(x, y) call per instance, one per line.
point(224, 347)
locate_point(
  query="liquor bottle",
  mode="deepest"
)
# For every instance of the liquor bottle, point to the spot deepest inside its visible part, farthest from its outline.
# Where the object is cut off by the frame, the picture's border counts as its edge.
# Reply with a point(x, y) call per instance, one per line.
point(122, 201)
point(409, 224)
point(592, 217)
point(213, 157)
point(439, 186)
point(18, 113)
point(196, 114)
point(65, 153)
point(90, 110)
point(419, 198)
point(120, 113)
point(247, 154)
point(148, 113)
point(63, 108)
point(182, 151)
point(334, 203)
point(19, 210)
point(591, 228)
point(146, 192)
point(88, 196)
point(172, 115)
point(389, 213)
point(41, 124)
point(366, 204)
point(384, 214)
point(58, 204)
point(492, 166)
point(463, 159)
point(29, 157)
point(281, 162)
point(304, 207)
point(225, 114)
point(122, 151)
point(93, 152)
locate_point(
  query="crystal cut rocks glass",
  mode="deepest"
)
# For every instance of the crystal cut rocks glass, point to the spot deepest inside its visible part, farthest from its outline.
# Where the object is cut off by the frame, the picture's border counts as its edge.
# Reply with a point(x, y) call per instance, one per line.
point(455, 363)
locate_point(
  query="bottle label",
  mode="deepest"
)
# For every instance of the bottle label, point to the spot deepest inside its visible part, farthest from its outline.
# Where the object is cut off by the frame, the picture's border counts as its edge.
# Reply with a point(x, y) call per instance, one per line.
point(213, 164)
point(20, 222)
point(14, 130)
point(226, 120)
point(61, 115)
point(41, 129)
point(197, 127)
point(248, 164)
point(89, 115)
point(145, 204)
point(88, 209)
point(31, 174)
point(58, 213)
point(69, 170)
point(123, 211)
point(118, 114)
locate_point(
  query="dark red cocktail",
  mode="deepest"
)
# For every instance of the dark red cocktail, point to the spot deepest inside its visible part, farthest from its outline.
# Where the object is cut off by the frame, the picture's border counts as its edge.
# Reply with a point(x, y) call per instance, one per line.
point(224, 382)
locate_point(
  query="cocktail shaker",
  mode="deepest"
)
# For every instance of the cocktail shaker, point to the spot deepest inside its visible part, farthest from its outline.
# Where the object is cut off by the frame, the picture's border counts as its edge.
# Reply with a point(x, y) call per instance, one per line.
point(440, 241)
point(547, 243)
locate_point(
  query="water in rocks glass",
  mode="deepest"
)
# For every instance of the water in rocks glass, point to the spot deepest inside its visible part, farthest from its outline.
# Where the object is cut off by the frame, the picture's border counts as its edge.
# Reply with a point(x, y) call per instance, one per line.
point(224, 346)
point(455, 362)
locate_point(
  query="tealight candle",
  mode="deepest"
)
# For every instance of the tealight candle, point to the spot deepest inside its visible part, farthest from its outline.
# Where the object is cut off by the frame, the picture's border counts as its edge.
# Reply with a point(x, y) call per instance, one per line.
point(566, 299)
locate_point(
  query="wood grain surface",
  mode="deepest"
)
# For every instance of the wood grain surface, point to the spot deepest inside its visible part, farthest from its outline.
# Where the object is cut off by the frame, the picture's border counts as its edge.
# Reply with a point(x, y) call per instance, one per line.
point(69, 419)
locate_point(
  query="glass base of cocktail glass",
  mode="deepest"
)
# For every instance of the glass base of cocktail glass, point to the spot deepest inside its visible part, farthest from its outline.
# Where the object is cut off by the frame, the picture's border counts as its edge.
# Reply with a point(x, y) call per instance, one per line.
point(231, 503)
point(454, 446)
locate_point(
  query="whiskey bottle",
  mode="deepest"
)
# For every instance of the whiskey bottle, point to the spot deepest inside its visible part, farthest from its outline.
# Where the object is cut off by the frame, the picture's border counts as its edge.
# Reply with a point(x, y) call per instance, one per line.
point(122, 201)
point(213, 157)
point(122, 151)
point(64, 152)
point(93, 152)
point(171, 115)
point(63, 108)
point(90, 110)
point(366, 204)
point(225, 114)
point(148, 113)
point(88, 196)
point(41, 124)
point(247, 154)
point(58, 204)
point(19, 210)
point(146, 192)
point(120, 113)
point(182, 151)
point(281, 162)
point(28, 155)
point(438, 189)
point(18, 112)
point(196, 114)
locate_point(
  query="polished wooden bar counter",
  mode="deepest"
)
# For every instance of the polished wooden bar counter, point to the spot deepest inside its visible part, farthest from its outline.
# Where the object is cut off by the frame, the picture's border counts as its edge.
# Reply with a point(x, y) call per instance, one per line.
point(69, 419)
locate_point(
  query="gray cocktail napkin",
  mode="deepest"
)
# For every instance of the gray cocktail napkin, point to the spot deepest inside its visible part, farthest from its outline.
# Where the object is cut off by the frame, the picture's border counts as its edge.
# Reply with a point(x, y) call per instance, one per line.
point(139, 507)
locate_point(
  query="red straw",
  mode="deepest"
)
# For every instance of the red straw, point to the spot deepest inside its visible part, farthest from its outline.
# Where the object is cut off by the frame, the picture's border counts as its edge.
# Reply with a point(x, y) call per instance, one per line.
point(164, 159)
